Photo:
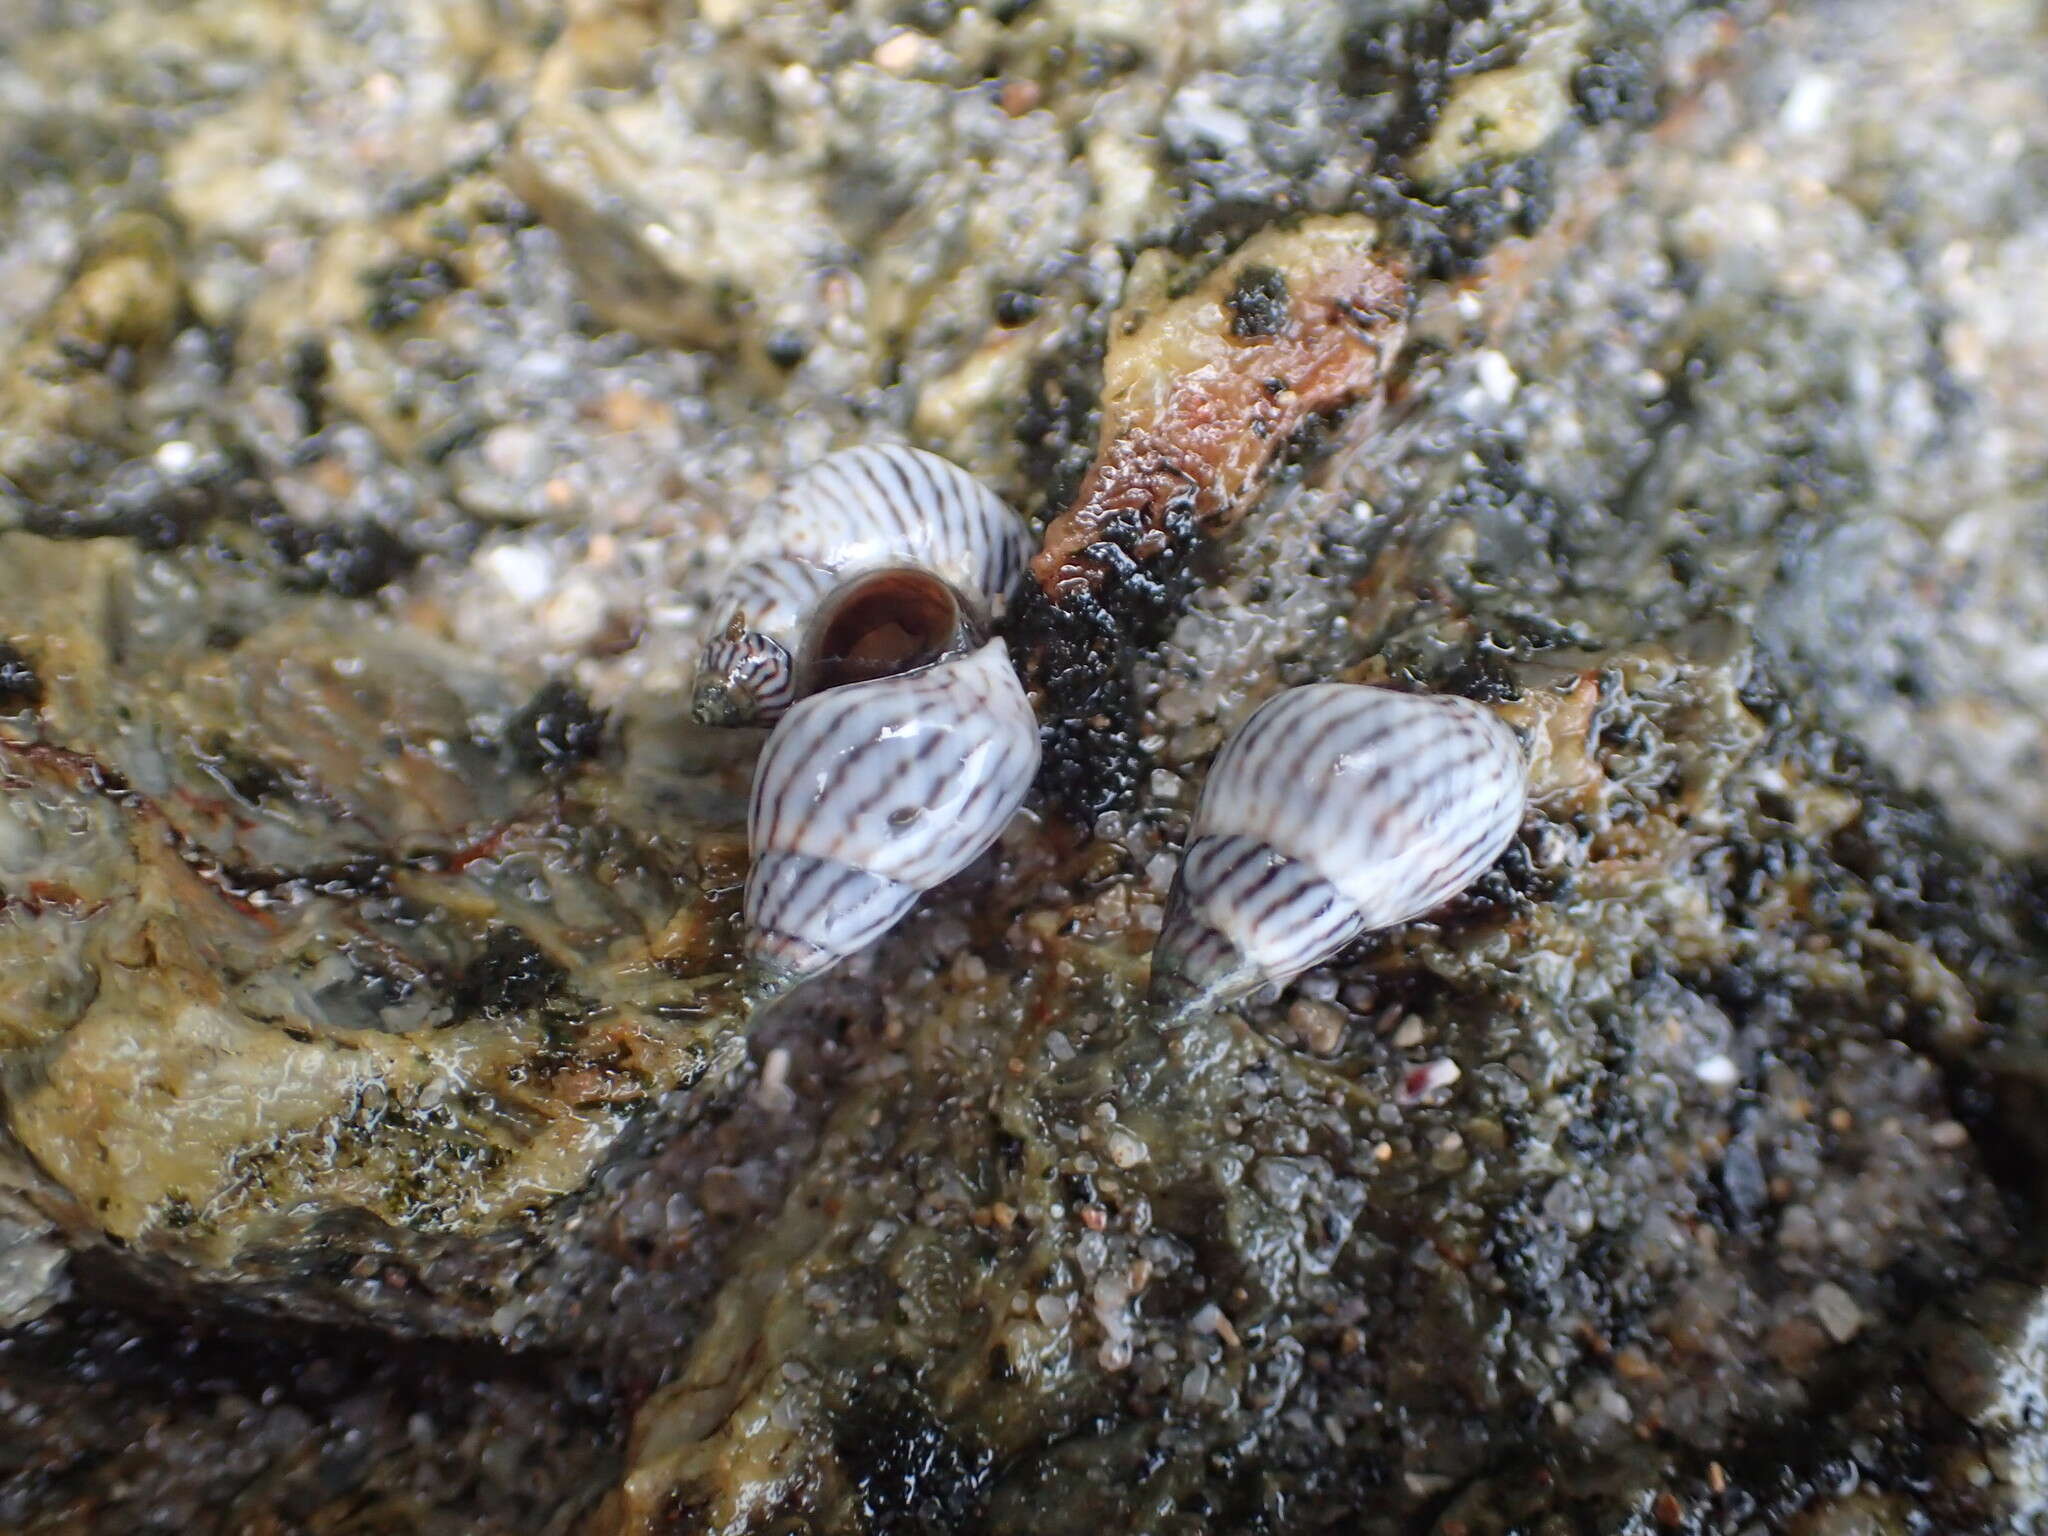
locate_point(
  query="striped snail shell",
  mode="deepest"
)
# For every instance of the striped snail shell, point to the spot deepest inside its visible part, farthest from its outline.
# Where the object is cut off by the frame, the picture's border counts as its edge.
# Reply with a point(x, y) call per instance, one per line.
point(861, 509)
point(891, 505)
point(1334, 810)
point(747, 673)
point(870, 794)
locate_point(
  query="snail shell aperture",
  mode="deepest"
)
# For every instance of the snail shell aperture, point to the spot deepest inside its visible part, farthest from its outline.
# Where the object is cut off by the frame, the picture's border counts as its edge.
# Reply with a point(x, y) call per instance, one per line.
point(1334, 810)
point(880, 623)
point(870, 794)
point(861, 509)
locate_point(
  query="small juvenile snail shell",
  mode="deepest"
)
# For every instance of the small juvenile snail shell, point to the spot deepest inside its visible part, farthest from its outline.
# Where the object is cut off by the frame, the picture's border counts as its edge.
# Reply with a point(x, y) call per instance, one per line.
point(860, 509)
point(746, 674)
point(868, 795)
point(1334, 810)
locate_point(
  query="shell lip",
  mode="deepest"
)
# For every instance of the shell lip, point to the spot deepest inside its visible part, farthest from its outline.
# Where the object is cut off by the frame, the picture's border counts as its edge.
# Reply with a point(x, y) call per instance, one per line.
point(766, 980)
point(1176, 1001)
point(885, 621)
point(777, 963)
point(1196, 969)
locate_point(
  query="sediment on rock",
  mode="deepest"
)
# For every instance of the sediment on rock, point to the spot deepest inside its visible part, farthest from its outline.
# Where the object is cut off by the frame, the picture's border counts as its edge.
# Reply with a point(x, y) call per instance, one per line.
point(1203, 390)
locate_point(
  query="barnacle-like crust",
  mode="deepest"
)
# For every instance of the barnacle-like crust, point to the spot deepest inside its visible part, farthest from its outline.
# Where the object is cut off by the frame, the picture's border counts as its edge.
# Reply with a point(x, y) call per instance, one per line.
point(1202, 391)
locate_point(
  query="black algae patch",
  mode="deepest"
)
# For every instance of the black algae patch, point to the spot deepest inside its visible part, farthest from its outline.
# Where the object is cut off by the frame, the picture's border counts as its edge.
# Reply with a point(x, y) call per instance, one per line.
point(1449, 230)
point(1615, 84)
point(1258, 303)
point(399, 292)
point(510, 974)
point(352, 559)
point(1403, 65)
point(911, 1477)
point(349, 561)
point(1076, 656)
point(20, 688)
point(556, 729)
point(154, 516)
point(1079, 653)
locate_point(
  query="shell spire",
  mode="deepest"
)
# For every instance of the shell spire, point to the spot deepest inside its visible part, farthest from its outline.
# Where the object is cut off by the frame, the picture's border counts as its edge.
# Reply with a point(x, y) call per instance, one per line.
point(868, 795)
point(1336, 809)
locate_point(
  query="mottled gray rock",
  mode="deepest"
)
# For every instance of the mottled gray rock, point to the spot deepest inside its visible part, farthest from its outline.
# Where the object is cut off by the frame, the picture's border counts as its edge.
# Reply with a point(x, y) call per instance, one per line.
point(32, 1265)
point(380, 389)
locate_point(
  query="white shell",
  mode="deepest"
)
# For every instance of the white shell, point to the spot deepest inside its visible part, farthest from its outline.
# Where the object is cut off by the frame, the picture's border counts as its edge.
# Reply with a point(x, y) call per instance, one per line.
point(859, 509)
point(1335, 809)
point(867, 796)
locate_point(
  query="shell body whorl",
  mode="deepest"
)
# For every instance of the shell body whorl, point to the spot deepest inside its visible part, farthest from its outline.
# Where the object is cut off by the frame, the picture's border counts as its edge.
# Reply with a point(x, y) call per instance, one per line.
point(1336, 809)
point(891, 505)
point(868, 795)
point(862, 509)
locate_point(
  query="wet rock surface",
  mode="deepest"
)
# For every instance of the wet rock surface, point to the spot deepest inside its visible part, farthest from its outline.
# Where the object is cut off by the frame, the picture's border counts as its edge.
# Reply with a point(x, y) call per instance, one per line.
point(386, 1145)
